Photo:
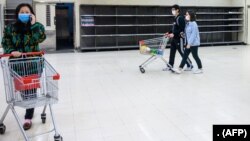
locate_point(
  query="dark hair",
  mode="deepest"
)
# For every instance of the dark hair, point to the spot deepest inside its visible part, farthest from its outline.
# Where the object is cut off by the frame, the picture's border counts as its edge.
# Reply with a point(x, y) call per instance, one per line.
point(192, 15)
point(176, 7)
point(20, 27)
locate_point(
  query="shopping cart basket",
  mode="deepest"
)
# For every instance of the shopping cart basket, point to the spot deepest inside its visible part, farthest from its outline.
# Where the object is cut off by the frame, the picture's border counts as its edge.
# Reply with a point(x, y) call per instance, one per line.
point(154, 47)
point(30, 81)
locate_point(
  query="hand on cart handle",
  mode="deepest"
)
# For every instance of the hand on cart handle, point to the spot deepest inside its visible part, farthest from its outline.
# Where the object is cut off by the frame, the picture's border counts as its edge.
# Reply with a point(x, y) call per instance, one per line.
point(182, 35)
point(18, 54)
point(169, 35)
point(33, 53)
point(166, 34)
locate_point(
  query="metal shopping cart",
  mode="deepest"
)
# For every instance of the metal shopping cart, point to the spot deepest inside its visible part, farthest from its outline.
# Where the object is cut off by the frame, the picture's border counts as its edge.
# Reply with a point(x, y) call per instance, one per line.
point(154, 47)
point(30, 81)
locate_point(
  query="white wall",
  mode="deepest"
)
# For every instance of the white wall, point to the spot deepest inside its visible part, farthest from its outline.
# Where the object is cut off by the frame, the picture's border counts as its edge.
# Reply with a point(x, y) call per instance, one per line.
point(247, 13)
point(246, 4)
point(77, 24)
point(3, 2)
point(246, 1)
point(41, 15)
point(40, 9)
point(238, 2)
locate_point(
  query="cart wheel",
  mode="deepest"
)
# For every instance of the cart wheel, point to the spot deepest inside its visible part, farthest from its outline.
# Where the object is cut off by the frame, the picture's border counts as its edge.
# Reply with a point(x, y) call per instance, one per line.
point(142, 70)
point(43, 117)
point(2, 129)
point(43, 120)
point(58, 138)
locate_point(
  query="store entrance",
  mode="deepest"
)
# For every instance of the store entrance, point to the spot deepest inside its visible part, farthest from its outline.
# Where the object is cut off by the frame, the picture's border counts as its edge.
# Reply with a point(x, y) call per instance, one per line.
point(64, 26)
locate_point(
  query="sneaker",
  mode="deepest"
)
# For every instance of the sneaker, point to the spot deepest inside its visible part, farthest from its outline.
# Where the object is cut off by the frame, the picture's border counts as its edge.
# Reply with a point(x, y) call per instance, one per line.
point(178, 71)
point(27, 124)
point(189, 68)
point(168, 68)
point(198, 71)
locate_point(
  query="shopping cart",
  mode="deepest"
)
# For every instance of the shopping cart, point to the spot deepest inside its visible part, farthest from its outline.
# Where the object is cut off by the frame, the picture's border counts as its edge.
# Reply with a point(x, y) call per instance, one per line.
point(154, 47)
point(30, 81)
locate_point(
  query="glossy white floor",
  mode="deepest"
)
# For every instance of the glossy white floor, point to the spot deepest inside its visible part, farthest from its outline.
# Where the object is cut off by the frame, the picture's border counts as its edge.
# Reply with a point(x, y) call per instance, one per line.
point(104, 97)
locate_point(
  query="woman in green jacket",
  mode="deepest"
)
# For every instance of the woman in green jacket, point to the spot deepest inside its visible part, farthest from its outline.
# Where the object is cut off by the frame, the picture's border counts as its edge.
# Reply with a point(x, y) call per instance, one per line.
point(21, 37)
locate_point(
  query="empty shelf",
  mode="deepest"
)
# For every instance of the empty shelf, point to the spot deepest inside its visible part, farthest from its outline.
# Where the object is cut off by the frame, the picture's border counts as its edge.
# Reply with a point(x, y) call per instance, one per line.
point(109, 47)
point(226, 42)
point(137, 46)
point(122, 35)
point(127, 15)
point(154, 34)
point(9, 19)
point(207, 20)
point(127, 25)
point(118, 27)
point(218, 13)
point(9, 9)
point(232, 25)
point(225, 31)
point(9, 14)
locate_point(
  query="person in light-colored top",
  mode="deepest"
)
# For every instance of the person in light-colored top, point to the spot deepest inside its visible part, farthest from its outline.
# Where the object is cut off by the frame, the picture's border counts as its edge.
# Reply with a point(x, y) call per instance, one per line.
point(192, 42)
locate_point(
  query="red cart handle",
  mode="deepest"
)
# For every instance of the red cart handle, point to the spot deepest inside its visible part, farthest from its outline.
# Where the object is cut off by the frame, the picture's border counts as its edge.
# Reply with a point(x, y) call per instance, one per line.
point(23, 54)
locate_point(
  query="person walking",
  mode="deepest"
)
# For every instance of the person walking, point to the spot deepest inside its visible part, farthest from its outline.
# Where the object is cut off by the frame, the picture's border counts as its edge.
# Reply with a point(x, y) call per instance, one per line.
point(192, 41)
point(177, 40)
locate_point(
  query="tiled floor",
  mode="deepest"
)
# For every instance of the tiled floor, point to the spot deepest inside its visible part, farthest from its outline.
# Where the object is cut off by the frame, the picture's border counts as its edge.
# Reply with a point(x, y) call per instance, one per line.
point(104, 97)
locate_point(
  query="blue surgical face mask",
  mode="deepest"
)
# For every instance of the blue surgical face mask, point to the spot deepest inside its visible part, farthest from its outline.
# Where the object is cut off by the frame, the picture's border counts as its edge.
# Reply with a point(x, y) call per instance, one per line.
point(24, 18)
point(174, 12)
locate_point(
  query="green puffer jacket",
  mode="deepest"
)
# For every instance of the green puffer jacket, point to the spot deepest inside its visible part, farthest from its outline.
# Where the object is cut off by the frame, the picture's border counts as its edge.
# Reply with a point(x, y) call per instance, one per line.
point(12, 40)
point(27, 42)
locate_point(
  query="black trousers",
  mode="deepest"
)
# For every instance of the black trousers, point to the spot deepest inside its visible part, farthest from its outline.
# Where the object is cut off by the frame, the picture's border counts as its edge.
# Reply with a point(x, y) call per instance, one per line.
point(176, 45)
point(28, 95)
point(194, 51)
point(29, 113)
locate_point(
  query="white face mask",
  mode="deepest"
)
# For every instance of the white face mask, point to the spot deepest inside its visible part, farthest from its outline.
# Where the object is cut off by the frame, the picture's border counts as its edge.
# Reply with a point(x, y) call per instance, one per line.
point(187, 18)
point(174, 12)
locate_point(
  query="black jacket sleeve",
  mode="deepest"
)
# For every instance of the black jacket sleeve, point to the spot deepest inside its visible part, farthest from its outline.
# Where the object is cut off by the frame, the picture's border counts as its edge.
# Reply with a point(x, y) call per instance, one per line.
point(181, 24)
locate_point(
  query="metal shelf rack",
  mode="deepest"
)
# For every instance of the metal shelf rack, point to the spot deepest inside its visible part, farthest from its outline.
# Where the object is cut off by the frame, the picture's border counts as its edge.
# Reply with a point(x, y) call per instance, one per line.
point(9, 15)
point(121, 27)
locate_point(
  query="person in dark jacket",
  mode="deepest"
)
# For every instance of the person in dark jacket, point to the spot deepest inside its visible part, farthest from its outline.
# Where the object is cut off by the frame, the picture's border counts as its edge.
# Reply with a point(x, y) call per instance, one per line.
point(177, 40)
point(21, 37)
